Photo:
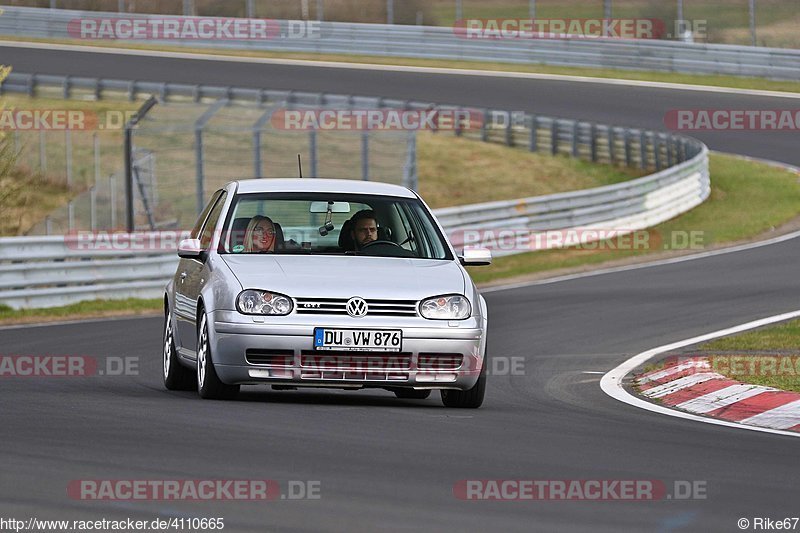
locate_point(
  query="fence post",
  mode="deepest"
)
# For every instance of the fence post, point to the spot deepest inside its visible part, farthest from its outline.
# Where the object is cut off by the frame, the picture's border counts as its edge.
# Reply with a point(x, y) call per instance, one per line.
point(628, 156)
point(112, 193)
point(365, 155)
point(320, 11)
point(198, 161)
point(70, 215)
point(96, 143)
point(93, 208)
point(532, 139)
point(612, 149)
point(256, 153)
point(250, 9)
point(389, 11)
point(68, 149)
point(42, 151)
point(657, 150)
point(509, 131)
point(48, 225)
point(486, 118)
point(312, 149)
point(593, 141)
point(130, 224)
point(554, 137)
point(642, 149)
point(575, 135)
point(410, 178)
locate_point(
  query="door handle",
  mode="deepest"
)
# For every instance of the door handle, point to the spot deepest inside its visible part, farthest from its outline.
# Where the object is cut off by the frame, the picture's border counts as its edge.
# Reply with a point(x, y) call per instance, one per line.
point(183, 276)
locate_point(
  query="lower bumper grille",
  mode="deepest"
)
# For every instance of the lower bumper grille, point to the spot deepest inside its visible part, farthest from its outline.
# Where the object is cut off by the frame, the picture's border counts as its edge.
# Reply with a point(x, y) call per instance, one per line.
point(269, 357)
point(439, 361)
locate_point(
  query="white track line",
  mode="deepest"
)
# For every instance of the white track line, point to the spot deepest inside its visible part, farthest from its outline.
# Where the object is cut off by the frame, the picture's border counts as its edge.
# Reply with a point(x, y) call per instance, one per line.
point(611, 383)
point(397, 68)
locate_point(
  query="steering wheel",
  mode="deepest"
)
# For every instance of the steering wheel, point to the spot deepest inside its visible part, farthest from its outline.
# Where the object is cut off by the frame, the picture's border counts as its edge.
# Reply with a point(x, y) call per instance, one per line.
point(372, 243)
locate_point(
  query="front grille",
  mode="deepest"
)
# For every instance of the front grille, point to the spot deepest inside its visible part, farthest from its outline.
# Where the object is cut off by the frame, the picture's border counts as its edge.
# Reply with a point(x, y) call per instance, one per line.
point(331, 360)
point(354, 366)
point(337, 306)
point(269, 357)
point(439, 361)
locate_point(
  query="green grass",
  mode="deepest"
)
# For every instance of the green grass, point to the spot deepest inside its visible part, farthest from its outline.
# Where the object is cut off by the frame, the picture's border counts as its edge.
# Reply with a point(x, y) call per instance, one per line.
point(784, 337)
point(734, 82)
point(742, 357)
point(747, 199)
point(89, 309)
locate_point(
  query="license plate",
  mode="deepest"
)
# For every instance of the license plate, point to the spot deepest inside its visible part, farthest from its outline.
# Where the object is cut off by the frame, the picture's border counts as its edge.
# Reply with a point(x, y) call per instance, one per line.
point(358, 340)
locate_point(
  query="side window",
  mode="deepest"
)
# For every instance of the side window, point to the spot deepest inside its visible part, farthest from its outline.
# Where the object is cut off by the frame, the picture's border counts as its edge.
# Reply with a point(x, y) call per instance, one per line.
point(211, 223)
point(195, 234)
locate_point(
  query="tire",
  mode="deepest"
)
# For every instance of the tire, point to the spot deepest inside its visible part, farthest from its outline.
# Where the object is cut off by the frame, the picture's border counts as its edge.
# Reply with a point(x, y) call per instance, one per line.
point(411, 394)
point(467, 399)
point(176, 376)
point(209, 385)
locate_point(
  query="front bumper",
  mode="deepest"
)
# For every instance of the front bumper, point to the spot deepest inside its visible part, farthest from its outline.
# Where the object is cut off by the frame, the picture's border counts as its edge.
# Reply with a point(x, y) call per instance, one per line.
point(435, 355)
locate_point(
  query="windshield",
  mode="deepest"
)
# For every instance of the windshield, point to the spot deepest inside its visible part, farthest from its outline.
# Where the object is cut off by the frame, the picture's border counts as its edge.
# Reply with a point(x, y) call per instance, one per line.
point(331, 224)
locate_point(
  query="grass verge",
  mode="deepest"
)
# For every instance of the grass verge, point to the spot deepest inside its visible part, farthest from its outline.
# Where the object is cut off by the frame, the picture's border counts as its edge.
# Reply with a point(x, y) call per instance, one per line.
point(748, 199)
point(734, 82)
point(90, 309)
point(767, 356)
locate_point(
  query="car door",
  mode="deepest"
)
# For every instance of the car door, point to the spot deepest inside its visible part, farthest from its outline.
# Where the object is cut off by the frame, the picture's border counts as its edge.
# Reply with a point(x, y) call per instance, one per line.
point(191, 275)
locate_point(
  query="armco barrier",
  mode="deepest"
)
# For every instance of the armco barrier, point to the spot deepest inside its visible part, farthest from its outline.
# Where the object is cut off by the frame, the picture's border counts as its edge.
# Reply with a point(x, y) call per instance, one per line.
point(443, 43)
point(51, 271)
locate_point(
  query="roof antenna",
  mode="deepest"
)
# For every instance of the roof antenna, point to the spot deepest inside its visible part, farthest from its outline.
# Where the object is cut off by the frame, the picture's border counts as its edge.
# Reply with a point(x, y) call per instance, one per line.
point(300, 165)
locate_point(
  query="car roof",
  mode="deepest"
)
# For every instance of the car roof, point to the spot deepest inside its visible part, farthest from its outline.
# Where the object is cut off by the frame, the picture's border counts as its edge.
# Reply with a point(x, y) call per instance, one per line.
point(323, 185)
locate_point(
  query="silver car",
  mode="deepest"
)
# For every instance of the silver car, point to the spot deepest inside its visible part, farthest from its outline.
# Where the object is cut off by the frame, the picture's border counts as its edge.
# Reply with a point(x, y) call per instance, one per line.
point(324, 283)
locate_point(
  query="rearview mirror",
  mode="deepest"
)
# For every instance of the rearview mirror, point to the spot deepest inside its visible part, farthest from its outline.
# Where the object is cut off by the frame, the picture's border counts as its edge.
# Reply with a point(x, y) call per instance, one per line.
point(475, 257)
point(189, 248)
point(336, 207)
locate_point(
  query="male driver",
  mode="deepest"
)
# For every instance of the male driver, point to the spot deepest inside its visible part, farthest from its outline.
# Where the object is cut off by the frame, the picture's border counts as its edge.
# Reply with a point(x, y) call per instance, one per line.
point(364, 228)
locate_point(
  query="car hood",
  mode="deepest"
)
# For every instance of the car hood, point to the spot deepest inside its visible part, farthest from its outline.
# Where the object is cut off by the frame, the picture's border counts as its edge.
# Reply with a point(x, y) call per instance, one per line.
point(303, 276)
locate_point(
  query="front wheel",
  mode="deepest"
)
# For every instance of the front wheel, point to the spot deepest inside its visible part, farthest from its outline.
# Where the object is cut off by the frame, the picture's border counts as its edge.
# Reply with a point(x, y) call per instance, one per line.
point(209, 386)
point(176, 376)
point(467, 399)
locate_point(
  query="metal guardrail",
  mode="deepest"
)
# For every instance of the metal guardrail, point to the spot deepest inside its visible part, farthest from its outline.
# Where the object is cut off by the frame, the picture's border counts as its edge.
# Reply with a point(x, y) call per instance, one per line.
point(50, 271)
point(444, 43)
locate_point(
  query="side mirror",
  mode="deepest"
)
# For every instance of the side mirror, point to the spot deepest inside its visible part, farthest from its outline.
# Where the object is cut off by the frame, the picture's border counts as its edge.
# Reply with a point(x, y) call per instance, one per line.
point(189, 249)
point(475, 257)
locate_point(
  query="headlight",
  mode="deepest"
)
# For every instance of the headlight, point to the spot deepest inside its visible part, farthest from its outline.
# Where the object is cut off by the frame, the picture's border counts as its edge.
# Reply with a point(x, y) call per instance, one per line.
point(452, 307)
point(255, 302)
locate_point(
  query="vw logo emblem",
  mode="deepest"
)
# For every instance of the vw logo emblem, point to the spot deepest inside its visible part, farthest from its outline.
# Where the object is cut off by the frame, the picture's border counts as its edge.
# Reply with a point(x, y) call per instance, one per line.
point(356, 307)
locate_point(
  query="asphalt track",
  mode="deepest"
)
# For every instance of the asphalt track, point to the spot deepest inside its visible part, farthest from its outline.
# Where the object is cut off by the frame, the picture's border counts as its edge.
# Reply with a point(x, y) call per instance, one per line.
point(390, 465)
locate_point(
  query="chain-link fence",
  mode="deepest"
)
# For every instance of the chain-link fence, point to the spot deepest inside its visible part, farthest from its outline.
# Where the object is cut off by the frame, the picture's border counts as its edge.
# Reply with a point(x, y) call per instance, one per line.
point(183, 152)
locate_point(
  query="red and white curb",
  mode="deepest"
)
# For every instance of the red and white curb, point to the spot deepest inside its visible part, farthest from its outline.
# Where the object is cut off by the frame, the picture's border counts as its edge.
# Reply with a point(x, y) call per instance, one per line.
point(691, 385)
